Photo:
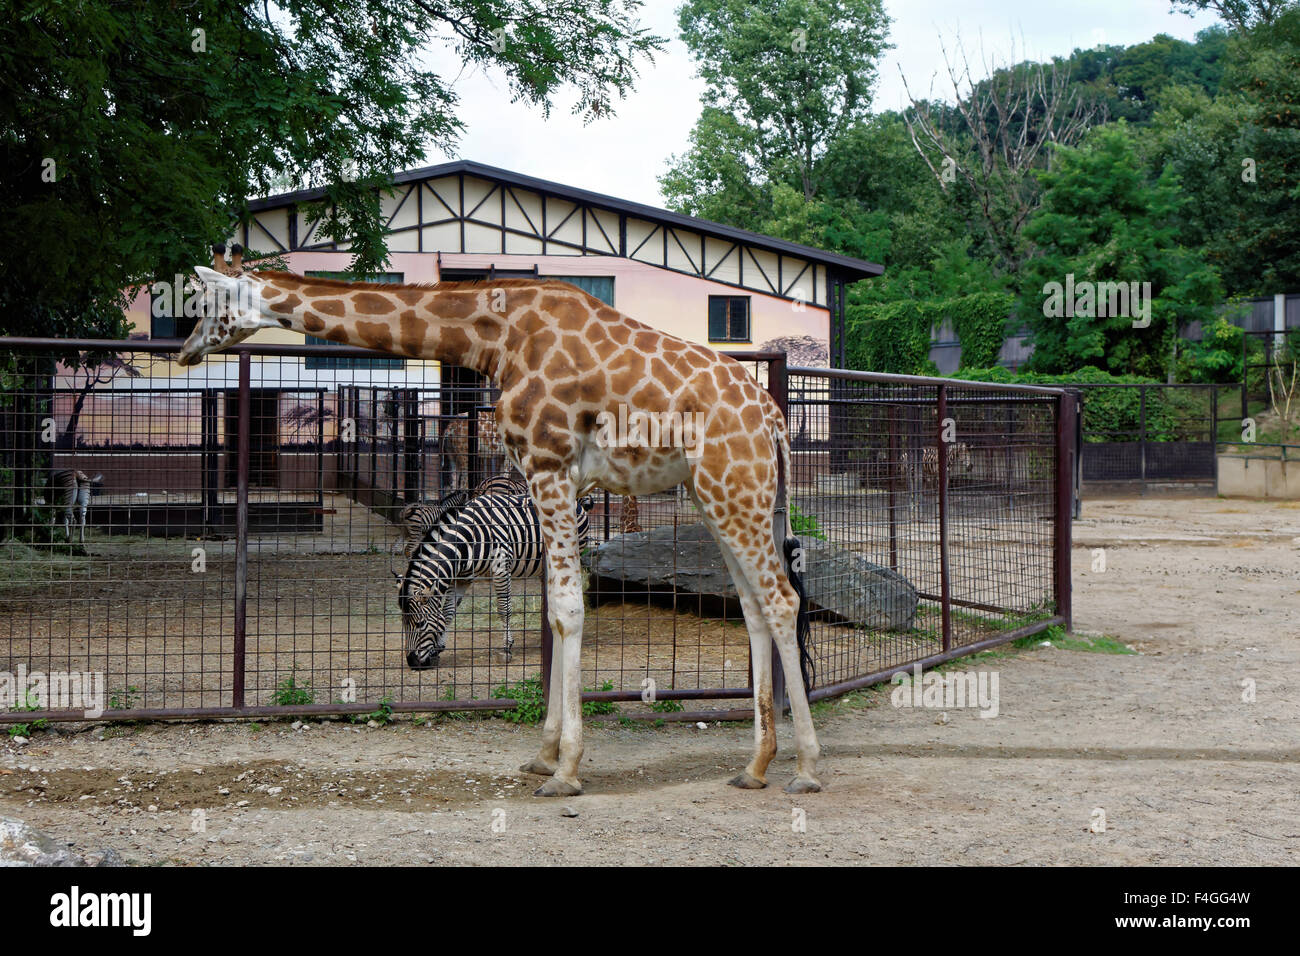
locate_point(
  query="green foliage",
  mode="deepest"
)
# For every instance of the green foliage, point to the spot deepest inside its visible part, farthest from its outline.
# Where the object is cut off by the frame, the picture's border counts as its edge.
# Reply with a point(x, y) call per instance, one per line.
point(667, 707)
point(590, 708)
point(805, 525)
point(125, 699)
point(29, 704)
point(1215, 358)
point(529, 698)
point(157, 138)
point(290, 693)
point(1115, 414)
point(1105, 218)
point(890, 337)
point(793, 74)
point(382, 714)
point(895, 336)
point(980, 321)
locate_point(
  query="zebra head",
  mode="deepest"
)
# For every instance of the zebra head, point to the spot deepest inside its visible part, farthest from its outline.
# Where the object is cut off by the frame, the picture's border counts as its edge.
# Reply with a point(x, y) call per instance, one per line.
point(424, 622)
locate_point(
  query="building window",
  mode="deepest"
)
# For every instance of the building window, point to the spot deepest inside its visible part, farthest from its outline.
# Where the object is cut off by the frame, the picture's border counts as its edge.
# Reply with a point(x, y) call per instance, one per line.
point(602, 287)
point(728, 318)
point(324, 361)
point(169, 326)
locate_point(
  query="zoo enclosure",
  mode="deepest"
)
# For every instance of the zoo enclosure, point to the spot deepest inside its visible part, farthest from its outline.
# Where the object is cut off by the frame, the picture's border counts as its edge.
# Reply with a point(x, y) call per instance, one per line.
point(237, 557)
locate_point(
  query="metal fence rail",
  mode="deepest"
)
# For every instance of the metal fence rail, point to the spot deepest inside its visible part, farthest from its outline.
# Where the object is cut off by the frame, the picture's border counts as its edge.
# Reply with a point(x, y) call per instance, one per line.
point(238, 541)
point(1146, 433)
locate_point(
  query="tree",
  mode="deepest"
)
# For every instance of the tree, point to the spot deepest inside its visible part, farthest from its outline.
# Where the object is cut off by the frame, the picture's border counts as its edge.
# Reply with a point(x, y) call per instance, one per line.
point(1105, 218)
point(132, 134)
point(995, 137)
point(1239, 14)
point(790, 76)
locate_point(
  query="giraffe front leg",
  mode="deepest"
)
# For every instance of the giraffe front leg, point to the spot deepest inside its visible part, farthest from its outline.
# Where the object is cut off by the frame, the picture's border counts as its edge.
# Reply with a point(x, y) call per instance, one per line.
point(559, 528)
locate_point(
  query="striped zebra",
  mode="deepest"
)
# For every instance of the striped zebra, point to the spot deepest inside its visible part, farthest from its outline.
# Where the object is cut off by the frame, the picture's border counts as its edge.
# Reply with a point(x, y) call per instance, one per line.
point(70, 490)
point(496, 536)
point(418, 518)
point(926, 477)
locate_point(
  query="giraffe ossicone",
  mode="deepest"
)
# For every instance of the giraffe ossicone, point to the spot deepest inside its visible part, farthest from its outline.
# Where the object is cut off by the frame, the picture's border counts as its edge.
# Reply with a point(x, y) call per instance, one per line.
point(561, 358)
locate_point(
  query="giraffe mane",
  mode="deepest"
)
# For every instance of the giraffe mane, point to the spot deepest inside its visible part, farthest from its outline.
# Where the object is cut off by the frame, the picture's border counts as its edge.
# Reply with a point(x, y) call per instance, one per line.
point(446, 285)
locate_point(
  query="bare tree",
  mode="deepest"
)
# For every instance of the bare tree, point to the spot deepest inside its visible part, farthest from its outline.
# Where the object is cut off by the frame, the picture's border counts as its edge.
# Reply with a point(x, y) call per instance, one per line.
point(995, 136)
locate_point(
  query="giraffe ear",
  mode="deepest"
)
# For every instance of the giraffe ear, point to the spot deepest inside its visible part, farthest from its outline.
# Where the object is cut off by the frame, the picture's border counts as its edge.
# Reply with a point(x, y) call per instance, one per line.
point(212, 276)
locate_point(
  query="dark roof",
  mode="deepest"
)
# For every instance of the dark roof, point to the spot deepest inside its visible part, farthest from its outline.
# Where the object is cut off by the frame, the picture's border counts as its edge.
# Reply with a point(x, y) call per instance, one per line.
point(848, 267)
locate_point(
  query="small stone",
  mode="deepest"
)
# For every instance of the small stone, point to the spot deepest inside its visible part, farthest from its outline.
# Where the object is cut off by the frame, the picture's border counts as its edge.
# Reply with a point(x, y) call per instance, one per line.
point(153, 808)
point(372, 723)
point(701, 725)
point(568, 812)
point(942, 718)
point(20, 741)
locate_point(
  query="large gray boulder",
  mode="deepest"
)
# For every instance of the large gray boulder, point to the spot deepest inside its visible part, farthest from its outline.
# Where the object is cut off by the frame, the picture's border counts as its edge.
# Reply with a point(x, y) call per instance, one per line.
point(683, 567)
point(20, 845)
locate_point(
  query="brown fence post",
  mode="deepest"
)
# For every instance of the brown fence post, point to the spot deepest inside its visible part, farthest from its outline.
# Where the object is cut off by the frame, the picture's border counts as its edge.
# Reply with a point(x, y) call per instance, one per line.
point(241, 529)
point(1067, 419)
point(893, 487)
point(778, 385)
point(944, 576)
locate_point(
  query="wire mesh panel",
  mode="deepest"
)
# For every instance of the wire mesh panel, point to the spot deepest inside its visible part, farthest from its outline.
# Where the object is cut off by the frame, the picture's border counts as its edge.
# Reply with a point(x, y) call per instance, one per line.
point(244, 540)
point(928, 513)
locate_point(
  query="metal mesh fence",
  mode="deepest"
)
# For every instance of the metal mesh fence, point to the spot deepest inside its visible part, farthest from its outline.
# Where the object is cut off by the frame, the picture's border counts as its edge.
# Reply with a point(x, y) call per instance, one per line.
point(241, 518)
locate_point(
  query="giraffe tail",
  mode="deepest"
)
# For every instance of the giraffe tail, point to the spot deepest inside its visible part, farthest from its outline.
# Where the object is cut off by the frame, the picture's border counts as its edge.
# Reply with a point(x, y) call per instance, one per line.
point(794, 561)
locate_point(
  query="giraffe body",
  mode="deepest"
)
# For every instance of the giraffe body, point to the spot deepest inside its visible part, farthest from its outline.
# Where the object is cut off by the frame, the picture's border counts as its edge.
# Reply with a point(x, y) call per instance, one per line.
point(567, 366)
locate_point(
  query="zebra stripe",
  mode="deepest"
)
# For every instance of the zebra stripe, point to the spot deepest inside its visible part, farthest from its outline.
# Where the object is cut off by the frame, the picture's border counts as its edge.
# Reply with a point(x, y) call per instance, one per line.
point(493, 536)
point(419, 518)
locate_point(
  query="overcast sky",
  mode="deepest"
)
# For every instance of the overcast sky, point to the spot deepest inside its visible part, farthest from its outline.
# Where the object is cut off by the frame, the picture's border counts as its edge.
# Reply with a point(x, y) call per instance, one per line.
point(623, 156)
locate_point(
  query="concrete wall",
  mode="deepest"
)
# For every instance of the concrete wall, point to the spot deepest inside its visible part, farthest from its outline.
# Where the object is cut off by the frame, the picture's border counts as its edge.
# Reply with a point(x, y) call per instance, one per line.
point(1244, 477)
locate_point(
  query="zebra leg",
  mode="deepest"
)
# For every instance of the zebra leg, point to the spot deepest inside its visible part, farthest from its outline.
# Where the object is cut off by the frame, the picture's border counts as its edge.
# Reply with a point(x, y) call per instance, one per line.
point(501, 584)
point(449, 605)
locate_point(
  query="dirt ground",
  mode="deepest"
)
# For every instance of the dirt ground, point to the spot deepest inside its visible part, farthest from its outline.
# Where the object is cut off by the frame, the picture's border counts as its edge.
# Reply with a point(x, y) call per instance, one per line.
point(1185, 771)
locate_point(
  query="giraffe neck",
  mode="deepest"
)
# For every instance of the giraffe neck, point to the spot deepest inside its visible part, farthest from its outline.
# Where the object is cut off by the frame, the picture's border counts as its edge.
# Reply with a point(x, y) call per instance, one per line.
point(454, 323)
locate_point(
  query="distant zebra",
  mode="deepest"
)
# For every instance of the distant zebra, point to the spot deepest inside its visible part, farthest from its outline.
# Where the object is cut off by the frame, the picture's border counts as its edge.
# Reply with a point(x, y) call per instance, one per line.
point(926, 477)
point(419, 517)
point(495, 536)
point(70, 490)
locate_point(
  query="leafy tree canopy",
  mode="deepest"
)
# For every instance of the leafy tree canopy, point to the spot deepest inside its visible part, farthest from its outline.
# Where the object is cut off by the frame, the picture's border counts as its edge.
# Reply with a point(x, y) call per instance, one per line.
point(132, 134)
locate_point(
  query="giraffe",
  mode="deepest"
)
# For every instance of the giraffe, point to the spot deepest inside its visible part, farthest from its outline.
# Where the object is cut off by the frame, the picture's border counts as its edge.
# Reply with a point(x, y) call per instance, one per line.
point(629, 515)
point(567, 366)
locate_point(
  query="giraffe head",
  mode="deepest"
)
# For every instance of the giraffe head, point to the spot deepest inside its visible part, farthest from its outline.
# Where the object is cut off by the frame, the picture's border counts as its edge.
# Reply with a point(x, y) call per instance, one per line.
point(233, 309)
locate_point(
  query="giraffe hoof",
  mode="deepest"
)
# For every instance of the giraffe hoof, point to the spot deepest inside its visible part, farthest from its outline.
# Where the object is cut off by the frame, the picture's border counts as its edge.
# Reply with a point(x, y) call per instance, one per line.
point(803, 785)
point(538, 766)
point(747, 781)
point(555, 787)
